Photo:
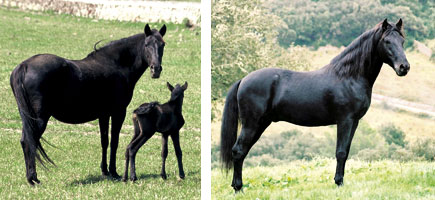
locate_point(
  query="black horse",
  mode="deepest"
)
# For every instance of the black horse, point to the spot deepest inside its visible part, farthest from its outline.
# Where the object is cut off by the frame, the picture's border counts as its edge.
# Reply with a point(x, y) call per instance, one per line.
point(338, 93)
point(99, 86)
point(153, 117)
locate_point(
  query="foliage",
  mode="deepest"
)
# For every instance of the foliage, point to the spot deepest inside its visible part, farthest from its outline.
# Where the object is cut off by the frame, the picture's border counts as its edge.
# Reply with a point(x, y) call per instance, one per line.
point(368, 144)
point(335, 22)
point(78, 152)
point(393, 134)
point(243, 40)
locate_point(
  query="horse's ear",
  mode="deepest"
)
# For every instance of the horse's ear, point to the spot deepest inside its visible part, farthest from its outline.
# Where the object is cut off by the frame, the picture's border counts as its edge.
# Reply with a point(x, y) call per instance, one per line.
point(163, 30)
point(184, 86)
point(399, 24)
point(385, 24)
point(147, 30)
point(170, 87)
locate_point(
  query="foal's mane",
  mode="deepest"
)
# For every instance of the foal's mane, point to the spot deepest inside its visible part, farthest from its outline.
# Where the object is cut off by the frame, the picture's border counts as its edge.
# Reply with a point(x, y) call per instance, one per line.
point(356, 57)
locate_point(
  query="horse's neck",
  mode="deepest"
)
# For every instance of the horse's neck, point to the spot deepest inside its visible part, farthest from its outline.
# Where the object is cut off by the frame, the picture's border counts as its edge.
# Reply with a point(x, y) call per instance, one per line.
point(359, 60)
point(176, 105)
point(128, 58)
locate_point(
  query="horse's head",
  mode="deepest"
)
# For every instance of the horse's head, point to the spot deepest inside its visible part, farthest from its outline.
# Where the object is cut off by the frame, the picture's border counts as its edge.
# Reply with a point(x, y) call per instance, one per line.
point(390, 47)
point(177, 91)
point(153, 49)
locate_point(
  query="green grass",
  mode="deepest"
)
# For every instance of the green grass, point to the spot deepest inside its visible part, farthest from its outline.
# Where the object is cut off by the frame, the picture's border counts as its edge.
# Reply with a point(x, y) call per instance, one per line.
point(315, 180)
point(78, 152)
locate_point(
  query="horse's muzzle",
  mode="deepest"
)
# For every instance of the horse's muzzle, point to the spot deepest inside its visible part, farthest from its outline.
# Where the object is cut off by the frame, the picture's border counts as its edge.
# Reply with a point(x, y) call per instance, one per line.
point(155, 71)
point(403, 69)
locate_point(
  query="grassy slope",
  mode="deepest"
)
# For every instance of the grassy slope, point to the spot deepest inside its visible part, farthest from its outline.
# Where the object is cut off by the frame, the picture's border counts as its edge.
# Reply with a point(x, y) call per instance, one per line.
point(78, 155)
point(314, 180)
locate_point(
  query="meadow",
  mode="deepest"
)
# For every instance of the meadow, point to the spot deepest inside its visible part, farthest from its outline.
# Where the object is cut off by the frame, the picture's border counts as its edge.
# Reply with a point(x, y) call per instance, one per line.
point(314, 180)
point(77, 151)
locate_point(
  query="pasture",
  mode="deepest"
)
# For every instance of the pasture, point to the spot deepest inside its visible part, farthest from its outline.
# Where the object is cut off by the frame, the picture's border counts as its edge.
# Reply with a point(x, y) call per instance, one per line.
point(77, 151)
point(314, 180)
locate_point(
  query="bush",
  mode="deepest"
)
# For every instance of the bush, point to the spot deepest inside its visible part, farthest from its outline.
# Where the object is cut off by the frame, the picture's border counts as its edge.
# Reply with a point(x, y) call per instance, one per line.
point(368, 144)
point(424, 148)
point(393, 135)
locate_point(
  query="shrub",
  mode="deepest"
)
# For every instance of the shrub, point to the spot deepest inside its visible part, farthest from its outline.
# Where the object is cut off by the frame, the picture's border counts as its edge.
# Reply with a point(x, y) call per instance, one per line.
point(393, 135)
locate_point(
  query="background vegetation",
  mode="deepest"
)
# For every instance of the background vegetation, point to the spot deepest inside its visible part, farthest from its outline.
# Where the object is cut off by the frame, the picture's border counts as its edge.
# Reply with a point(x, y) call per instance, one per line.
point(334, 22)
point(78, 152)
point(392, 152)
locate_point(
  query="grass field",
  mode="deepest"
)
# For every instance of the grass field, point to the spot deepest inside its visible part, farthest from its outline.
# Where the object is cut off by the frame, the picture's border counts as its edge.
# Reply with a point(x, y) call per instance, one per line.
point(78, 152)
point(315, 180)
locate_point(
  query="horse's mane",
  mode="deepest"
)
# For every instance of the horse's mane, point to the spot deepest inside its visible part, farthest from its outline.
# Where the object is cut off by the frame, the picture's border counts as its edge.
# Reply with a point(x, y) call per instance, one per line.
point(356, 57)
point(122, 41)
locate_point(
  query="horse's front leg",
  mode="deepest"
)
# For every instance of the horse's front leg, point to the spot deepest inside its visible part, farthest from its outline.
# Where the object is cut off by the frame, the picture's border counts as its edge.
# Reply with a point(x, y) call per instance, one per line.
point(345, 131)
point(104, 132)
point(164, 154)
point(176, 140)
point(117, 121)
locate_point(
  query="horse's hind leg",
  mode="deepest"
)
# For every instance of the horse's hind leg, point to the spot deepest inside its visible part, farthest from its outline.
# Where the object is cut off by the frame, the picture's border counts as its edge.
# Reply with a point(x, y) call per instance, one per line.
point(146, 132)
point(32, 132)
point(250, 134)
point(164, 155)
point(127, 152)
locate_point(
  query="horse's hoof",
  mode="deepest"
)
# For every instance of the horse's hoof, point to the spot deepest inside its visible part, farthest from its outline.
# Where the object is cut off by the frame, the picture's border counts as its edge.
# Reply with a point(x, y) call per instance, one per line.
point(105, 173)
point(339, 182)
point(134, 178)
point(182, 176)
point(164, 177)
point(115, 175)
point(124, 179)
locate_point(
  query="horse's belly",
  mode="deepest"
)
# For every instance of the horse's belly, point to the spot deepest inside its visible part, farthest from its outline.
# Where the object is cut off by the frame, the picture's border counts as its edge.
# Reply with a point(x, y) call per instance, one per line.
point(304, 115)
point(77, 116)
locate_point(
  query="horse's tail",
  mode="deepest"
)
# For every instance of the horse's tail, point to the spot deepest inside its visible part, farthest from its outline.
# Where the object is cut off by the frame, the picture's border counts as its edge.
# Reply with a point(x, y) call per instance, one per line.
point(28, 115)
point(230, 119)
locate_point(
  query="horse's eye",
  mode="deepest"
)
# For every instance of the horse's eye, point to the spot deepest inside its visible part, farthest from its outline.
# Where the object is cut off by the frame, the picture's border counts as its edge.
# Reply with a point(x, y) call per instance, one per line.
point(387, 41)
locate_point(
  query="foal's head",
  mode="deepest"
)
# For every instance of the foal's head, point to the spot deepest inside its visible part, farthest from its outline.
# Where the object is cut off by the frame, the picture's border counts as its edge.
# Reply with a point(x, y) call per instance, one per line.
point(177, 92)
point(390, 47)
point(153, 49)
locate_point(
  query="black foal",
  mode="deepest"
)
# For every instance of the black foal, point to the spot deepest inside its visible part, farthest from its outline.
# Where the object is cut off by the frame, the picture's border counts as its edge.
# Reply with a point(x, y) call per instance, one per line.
point(154, 117)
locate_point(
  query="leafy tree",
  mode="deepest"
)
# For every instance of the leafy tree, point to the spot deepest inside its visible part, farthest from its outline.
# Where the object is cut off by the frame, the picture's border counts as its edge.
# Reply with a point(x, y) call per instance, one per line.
point(244, 39)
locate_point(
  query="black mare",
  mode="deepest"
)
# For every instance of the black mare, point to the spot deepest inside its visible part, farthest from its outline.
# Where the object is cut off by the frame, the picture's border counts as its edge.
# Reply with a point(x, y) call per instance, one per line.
point(339, 93)
point(153, 117)
point(99, 86)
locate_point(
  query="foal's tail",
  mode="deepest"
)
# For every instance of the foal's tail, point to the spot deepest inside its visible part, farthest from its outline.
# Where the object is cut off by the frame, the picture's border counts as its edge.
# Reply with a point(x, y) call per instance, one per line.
point(31, 127)
point(230, 119)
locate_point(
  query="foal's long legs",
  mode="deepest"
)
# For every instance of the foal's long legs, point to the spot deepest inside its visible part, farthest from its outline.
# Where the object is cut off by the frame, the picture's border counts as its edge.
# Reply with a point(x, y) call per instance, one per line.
point(104, 131)
point(127, 152)
point(249, 136)
point(146, 132)
point(176, 140)
point(164, 154)
point(345, 131)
